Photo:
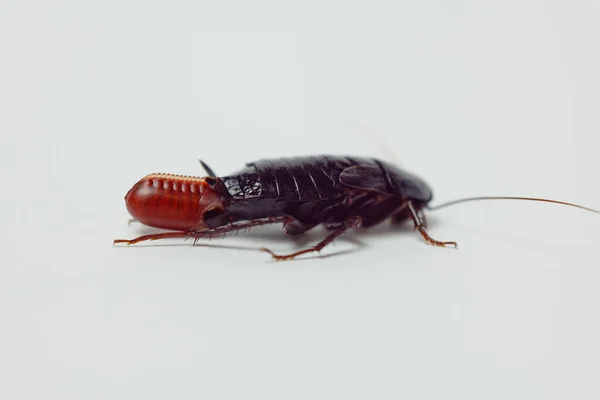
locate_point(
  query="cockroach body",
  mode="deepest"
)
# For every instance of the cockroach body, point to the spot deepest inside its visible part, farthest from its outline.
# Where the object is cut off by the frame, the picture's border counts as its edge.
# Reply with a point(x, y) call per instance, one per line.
point(301, 193)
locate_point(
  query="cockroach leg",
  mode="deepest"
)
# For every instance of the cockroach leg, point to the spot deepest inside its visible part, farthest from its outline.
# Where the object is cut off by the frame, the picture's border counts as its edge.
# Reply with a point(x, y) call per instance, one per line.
point(206, 233)
point(156, 236)
point(423, 219)
point(420, 226)
point(222, 230)
point(350, 223)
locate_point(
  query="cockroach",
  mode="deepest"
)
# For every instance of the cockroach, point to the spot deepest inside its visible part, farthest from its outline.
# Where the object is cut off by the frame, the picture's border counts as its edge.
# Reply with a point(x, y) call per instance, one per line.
point(300, 193)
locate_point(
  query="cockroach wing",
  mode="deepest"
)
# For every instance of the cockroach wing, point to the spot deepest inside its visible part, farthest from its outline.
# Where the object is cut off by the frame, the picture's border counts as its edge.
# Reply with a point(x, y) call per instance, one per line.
point(386, 179)
point(367, 177)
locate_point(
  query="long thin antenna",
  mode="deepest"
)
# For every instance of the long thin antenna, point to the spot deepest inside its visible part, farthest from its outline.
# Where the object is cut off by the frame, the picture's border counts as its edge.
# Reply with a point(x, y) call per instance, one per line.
point(467, 199)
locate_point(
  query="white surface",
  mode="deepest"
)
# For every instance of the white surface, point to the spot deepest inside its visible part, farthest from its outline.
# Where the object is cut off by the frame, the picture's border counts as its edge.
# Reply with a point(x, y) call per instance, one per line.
point(478, 99)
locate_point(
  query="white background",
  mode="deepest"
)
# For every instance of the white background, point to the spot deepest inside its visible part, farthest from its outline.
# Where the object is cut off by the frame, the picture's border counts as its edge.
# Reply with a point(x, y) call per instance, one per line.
point(478, 98)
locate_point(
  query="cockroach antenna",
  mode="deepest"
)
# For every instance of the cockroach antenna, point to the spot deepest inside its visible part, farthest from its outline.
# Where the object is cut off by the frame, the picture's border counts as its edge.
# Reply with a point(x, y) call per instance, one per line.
point(480, 198)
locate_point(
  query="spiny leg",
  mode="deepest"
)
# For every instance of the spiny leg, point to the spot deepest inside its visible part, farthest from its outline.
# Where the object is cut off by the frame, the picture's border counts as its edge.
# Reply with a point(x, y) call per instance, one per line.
point(156, 236)
point(350, 223)
point(197, 234)
point(419, 224)
point(221, 230)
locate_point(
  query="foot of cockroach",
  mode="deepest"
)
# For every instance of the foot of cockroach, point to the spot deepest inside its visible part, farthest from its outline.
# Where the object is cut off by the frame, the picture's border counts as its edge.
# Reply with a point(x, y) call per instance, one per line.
point(434, 242)
point(287, 257)
point(352, 222)
point(156, 236)
point(420, 226)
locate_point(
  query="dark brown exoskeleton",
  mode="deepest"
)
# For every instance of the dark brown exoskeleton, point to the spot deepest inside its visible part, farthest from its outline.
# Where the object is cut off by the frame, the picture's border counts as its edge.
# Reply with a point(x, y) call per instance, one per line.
point(301, 193)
